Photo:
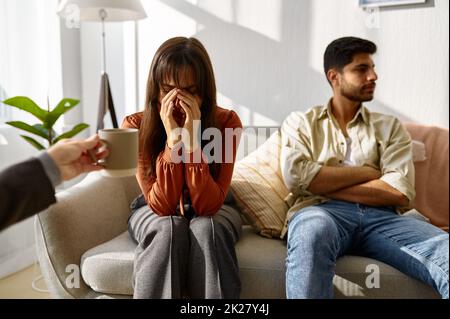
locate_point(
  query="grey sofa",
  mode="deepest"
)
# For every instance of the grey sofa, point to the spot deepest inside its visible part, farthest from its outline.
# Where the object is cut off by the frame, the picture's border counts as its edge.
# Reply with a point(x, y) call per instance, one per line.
point(87, 230)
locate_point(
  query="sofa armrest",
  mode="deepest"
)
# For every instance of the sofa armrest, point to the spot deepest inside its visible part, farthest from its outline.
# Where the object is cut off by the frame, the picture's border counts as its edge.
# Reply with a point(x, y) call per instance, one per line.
point(86, 215)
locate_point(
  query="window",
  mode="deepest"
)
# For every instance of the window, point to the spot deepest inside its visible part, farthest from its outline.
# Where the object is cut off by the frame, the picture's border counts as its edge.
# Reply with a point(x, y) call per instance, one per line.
point(30, 54)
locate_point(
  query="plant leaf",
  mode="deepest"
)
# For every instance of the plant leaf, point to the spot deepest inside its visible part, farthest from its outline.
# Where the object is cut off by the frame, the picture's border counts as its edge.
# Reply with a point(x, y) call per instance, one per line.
point(74, 131)
point(44, 130)
point(33, 142)
point(26, 104)
point(28, 128)
point(63, 106)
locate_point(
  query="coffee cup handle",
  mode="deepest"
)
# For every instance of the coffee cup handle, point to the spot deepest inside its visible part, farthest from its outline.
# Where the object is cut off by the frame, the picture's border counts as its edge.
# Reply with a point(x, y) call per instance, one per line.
point(104, 144)
point(91, 153)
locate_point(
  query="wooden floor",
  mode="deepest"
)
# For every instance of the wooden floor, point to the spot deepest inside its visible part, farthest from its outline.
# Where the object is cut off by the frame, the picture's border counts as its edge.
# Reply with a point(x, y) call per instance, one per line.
point(19, 285)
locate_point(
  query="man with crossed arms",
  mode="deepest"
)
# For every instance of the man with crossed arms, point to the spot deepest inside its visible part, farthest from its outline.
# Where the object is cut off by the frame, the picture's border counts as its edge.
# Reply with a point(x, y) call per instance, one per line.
point(351, 171)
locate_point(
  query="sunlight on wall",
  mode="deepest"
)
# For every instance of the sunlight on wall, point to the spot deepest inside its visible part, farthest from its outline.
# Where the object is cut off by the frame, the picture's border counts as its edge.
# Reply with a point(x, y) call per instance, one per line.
point(262, 16)
point(162, 23)
point(195, 18)
point(268, 54)
point(260, 119)
point(247, 116)
point(223, 9)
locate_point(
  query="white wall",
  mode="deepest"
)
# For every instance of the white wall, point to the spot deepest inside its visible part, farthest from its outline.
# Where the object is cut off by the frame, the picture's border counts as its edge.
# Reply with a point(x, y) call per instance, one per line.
point(267, 54)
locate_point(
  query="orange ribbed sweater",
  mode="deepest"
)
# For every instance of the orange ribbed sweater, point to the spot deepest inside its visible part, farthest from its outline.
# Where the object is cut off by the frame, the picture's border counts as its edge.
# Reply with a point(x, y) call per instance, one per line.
point(163, 191)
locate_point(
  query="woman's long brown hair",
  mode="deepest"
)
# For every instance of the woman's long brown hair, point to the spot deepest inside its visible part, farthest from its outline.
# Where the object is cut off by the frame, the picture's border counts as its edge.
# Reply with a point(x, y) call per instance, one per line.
point(172, 56)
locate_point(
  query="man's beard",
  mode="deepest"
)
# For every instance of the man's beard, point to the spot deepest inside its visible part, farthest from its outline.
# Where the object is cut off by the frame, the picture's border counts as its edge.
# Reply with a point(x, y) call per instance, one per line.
point(355, 94)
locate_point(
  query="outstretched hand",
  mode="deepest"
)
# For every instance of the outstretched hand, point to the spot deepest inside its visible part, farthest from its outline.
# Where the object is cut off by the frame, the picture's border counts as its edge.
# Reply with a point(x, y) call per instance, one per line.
point(75, 157)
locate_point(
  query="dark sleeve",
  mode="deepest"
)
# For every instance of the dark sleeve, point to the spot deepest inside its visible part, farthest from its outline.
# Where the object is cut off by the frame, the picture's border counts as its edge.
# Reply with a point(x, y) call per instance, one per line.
point(25, 189)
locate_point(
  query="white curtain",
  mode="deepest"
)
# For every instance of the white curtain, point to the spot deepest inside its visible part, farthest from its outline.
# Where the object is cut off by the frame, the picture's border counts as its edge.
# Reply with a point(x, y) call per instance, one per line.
point(30, 65)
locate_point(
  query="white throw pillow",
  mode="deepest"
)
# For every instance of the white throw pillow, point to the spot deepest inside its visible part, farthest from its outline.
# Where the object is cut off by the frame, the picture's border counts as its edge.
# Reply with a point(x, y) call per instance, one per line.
point(259, 190)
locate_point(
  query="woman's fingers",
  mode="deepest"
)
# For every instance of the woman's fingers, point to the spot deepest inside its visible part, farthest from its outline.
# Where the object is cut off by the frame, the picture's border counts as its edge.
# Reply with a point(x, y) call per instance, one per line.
point(187, 98)
point(167, 97)
point(169, 112)
point(192, 103)
point(187, 110)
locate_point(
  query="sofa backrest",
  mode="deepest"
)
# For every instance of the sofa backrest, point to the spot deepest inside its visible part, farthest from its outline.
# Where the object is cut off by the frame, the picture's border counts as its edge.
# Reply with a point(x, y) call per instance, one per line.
point(432, 175)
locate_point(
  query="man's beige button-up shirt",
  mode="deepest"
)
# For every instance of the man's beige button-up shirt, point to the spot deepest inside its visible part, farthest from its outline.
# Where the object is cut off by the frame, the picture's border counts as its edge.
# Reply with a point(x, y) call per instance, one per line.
point(314, 139)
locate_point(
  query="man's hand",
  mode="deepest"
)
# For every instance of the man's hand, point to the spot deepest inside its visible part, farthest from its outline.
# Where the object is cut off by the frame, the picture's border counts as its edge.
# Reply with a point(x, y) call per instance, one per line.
point(73, 157)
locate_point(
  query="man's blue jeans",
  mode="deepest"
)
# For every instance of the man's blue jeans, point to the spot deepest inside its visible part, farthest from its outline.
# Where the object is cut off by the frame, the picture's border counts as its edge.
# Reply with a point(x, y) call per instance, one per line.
point(318, 235)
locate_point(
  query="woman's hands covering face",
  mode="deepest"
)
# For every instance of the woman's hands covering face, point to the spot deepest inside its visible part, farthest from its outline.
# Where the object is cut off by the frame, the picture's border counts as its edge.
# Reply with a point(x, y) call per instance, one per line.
point(190, 105)
point(166, 114)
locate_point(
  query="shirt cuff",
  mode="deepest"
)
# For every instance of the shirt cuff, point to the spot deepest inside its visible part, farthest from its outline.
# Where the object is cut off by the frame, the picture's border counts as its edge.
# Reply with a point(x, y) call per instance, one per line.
point(50, 168)
point(310, 172)
point(399, 182)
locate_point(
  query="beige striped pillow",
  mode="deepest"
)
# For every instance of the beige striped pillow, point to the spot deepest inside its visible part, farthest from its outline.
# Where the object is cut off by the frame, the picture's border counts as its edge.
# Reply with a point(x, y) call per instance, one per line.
point(259, 190)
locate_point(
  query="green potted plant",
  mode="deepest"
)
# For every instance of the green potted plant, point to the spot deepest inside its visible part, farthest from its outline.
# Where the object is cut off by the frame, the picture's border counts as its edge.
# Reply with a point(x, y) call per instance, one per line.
point(48, 119)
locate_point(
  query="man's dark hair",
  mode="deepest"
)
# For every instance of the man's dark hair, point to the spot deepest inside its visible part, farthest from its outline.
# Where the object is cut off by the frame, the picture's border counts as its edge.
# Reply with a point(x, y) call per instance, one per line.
point(340, 52)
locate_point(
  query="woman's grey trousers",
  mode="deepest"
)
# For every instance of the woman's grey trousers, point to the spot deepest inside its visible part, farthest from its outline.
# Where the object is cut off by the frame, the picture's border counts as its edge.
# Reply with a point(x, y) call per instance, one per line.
point(178, 258)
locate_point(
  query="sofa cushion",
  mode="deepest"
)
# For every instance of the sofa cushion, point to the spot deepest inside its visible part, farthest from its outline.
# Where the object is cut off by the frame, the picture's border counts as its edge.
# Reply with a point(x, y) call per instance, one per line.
point(352, 279)
point(262, 265)
point(259, 190)
point(108, 268)
point(262, 269)
point(432, 174)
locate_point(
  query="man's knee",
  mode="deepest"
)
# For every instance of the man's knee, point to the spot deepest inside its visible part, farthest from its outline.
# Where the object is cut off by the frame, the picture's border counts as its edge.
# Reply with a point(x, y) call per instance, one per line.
point(312, 226)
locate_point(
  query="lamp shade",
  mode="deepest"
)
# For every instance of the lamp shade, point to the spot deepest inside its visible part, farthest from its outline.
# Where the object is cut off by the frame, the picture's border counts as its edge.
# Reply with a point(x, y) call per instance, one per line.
point(116, 10)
